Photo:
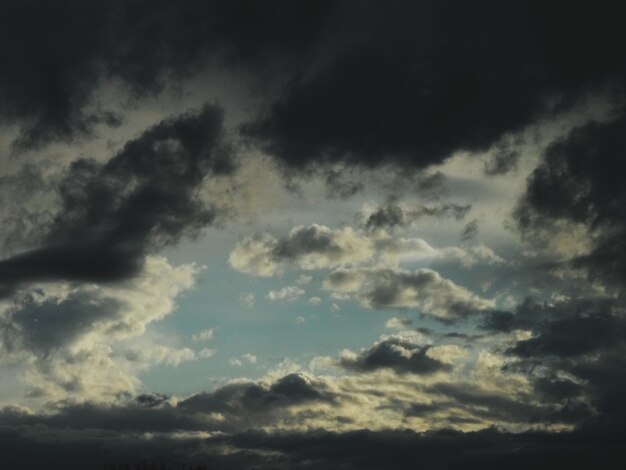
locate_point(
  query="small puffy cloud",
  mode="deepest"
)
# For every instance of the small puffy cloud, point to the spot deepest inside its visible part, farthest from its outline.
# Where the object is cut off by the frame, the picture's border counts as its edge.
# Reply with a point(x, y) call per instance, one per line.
point(250, 358)
point(241, 360)
point(304, 279)
point(312, 247)
point(447, 353)
point(171, 356)
point(248, 299)
point(396, 354)
point(253, 256)
point(319, 247)
point(206, 353)
point(398, 323)
point(289, 294)
point(411, 336)
point(423, 289)
point(204, 335)
point(314, 300)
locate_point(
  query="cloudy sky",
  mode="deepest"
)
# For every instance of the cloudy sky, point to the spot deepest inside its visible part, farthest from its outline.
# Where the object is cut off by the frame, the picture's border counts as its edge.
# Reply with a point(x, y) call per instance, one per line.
point(312, 234)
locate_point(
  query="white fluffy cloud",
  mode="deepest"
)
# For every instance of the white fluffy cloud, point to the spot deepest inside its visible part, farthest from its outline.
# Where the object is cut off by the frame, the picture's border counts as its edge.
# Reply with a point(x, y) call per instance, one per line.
point(289, 294)
point(311, 247)
point(204, 335)
point(422, 289)
point(317, 247)
point(397, 323)
point(243, 359)
point(253, 256)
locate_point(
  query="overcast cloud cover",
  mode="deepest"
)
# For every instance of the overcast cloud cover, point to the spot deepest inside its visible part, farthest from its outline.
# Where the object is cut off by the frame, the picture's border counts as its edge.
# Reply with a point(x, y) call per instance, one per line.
point(312, 234)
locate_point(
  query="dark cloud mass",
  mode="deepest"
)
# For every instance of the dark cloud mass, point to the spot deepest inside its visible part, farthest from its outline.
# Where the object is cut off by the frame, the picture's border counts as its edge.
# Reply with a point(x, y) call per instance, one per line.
point(431, 78)
point(144, 198)
point(51, 324)
point(575, 354)
point(581, 182)
point(361, 102)
point(56, 54)
point(395, 354)
point(37, 448)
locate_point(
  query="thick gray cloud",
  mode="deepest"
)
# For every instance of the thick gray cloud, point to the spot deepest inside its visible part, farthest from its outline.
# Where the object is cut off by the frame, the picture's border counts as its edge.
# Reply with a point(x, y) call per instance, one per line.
point(396, 354)
point(51, 324)
point(57, 54)
point(415, 82)
point(580, 183)
point(575, 351)
point(144, 198)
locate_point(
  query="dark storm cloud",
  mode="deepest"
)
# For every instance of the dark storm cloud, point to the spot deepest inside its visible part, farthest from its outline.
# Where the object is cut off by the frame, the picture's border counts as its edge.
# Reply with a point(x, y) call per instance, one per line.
point(414, 82)
point(575, 354)
point(565, 329)
point(395, 354)
point(573, 336)
point(55, 54)
point(393, 215)
point(144, 198)
point(582, 181)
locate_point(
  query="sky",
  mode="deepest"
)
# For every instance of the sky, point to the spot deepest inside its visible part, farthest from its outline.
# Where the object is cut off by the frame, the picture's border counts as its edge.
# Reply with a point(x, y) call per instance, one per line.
point(313, 234)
